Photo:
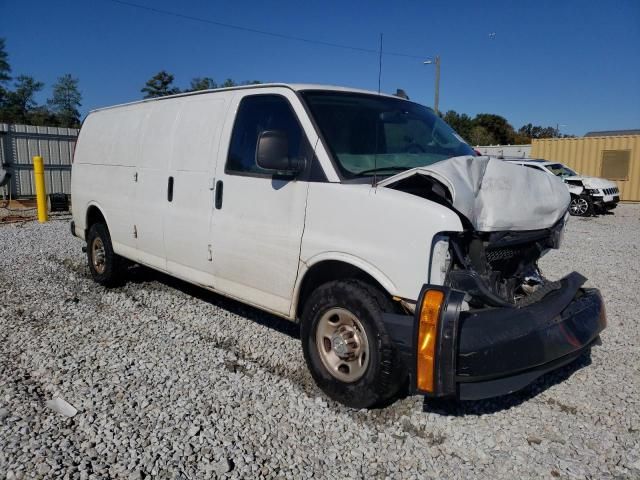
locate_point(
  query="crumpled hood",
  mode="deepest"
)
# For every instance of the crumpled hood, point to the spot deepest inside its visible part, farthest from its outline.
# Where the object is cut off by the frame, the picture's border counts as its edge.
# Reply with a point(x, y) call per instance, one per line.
point(594, 182)
point(496, 195)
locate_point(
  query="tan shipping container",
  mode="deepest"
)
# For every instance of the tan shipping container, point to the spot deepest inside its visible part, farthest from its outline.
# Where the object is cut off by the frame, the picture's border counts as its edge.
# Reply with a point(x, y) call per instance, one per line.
point(613, 157)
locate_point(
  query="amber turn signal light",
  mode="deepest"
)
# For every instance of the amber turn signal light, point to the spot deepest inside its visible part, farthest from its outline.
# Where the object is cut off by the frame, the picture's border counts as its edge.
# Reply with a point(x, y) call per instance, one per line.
point(427, 333)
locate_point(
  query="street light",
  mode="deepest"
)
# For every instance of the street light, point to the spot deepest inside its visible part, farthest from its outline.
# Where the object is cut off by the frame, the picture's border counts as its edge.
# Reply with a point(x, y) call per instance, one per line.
point(436, 62)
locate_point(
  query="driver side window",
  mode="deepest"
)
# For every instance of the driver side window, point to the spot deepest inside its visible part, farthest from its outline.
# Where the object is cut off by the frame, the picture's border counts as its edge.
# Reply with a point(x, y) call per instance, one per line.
point(256, 114)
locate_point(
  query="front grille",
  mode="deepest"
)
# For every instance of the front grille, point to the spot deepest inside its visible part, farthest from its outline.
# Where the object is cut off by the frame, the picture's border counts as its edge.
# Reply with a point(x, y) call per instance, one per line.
point(497, 254)
point(610, 191)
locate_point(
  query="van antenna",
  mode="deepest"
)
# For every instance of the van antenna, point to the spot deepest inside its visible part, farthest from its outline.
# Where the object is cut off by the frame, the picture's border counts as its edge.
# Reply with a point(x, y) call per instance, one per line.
point(375, 152)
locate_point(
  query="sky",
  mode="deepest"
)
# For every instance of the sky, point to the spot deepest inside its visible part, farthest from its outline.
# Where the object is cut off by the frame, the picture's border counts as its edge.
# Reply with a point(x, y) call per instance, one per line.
point(573, 63)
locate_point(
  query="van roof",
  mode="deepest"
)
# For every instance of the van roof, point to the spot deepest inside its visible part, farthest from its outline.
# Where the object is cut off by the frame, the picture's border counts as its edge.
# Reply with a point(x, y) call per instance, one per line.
point(297, 87)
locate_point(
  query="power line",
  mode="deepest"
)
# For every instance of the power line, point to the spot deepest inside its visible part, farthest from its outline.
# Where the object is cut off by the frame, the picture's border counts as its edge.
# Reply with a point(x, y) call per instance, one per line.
point(260, 32)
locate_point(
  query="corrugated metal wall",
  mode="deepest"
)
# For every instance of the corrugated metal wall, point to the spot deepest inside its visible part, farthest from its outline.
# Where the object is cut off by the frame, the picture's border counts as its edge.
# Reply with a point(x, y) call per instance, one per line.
point(585, 156)
point(20, 143)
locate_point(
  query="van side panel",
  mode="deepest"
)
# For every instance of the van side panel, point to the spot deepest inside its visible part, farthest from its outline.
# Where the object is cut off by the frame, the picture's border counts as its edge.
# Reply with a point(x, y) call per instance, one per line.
point(192, 166)
point(150, 201)
point(103, 171)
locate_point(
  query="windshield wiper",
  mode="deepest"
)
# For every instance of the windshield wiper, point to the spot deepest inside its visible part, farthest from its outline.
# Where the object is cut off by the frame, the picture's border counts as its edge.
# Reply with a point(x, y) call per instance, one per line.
point(382, 169)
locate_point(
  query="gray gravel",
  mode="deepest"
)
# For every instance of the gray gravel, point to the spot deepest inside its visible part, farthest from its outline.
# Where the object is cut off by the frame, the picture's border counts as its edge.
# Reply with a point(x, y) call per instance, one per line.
point(170, 381)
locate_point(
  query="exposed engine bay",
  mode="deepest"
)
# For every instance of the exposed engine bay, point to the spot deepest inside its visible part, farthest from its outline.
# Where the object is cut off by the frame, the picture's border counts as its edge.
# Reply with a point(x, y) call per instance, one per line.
point(500, 269)
point(494, 265)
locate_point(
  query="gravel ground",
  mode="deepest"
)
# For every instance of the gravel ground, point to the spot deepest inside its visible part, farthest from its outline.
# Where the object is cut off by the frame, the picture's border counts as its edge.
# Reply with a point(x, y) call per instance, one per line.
point(174, 382)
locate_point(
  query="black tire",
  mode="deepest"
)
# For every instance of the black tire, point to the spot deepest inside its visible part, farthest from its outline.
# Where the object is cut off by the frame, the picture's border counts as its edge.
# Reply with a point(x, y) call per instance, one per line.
point(385, 374)
point(110, 272)
point(581, 206)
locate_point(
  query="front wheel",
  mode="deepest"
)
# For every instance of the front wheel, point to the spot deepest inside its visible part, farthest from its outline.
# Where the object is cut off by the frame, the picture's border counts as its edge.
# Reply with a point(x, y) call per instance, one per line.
point(581, 206)
point(346, 346)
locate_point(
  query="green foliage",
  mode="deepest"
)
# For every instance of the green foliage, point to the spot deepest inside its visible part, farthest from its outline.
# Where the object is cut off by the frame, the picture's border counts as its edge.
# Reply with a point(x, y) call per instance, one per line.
point(20, 102)
point(66, 101)
point(160, 85)
point(5, 72)
point(498, 127)
point(479, 135)
point(491, 129)
point(460, 122)
point(5, 68)
point(536, 131)
point(202, 83)
point(42, 116)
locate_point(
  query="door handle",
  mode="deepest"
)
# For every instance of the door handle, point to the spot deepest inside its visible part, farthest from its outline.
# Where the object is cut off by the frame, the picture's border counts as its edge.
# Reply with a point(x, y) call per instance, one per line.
point(219, 189)
point(170, 189)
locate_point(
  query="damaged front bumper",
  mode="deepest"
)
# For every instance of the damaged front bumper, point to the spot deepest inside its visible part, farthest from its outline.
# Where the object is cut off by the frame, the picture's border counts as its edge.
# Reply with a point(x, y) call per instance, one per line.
point(606, 203)
point(495, 351)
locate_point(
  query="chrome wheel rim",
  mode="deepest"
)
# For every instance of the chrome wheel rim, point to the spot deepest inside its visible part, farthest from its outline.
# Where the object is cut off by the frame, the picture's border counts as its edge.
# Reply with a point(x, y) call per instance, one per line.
point(342, 344)
point(579, 206)
point(98, 256)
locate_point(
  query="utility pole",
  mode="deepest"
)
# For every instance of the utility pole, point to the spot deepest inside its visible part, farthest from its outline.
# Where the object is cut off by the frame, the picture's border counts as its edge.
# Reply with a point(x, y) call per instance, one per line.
point(435, 62)
point(436, 101)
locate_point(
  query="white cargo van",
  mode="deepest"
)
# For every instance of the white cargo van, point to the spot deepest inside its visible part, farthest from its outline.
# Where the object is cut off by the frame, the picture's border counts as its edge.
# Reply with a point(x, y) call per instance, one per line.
point(409, 262)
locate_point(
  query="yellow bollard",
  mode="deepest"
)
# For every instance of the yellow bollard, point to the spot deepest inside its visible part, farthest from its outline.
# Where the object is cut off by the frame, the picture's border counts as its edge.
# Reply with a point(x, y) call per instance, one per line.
point(41, 194)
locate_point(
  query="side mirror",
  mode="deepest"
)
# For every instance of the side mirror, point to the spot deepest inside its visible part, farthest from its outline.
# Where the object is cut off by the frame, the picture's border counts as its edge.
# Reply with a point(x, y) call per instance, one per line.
point(272, 153)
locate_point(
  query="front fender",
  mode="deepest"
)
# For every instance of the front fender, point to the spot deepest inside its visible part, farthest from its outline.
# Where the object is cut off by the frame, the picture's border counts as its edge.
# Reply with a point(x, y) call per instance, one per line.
point(385, 232)
point(575, 189)
point(357, 262)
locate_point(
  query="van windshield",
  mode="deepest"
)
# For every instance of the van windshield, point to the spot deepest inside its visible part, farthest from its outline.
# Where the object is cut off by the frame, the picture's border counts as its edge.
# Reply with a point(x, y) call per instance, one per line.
point(370, 134)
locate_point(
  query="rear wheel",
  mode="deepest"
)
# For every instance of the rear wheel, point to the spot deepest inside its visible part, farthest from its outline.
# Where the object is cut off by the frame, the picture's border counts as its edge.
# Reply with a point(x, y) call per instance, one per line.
point(581, 206)
point(346, 346)
point(105, 266)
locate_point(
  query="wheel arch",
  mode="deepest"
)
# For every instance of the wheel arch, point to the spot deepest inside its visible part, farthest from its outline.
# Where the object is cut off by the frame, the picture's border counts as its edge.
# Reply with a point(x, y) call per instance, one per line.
point(327, 267)
point(94, 214)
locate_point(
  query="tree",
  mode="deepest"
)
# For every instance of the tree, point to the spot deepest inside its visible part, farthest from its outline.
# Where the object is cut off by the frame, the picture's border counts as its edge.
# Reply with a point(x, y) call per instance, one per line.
point(202, 83)
point(481, 136)
point(5, 72)
point(536, 131)
point(42, 116)
point(66, 101)
point(160, 85)
point(498, 127)
point(20, 102)
point(5, 68)
point(460, 122)
point(228, 83)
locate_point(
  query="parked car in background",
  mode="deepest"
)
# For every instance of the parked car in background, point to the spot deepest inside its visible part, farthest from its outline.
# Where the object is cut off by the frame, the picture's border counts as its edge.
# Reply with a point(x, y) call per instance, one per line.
point(589, 195)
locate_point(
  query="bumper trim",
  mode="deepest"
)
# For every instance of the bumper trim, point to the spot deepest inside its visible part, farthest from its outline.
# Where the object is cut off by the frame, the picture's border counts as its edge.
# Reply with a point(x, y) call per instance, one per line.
point(496, 351)
point(495, 344)
point(506, 385)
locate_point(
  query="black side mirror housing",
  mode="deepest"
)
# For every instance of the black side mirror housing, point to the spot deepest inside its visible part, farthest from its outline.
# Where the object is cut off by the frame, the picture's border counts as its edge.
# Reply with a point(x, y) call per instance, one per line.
point(272, 153)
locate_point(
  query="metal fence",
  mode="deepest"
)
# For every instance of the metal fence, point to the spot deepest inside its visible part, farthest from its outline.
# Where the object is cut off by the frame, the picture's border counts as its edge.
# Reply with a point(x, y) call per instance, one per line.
point(20, 143)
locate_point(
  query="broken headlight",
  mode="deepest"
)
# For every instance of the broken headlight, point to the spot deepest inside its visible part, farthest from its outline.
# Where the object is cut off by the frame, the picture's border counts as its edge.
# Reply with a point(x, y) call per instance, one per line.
point(440, 260)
